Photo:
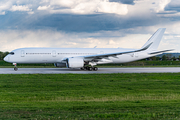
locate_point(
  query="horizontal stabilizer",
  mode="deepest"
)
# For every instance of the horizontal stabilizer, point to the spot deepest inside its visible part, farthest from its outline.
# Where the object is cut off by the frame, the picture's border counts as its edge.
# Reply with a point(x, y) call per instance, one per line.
point(157, 52)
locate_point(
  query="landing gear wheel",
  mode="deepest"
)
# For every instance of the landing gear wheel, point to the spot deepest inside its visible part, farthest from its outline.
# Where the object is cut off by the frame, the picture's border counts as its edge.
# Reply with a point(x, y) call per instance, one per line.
point(85, 68)
point(90, 68)
point(82, 68)
point(15, 68)
point(95, 68)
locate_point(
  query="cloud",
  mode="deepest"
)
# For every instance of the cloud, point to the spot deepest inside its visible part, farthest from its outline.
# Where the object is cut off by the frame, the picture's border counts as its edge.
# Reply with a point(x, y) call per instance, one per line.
point(13, 39)
point(174, 5)
point(90, 23)
point(124, 1)
point(4, 6)
point(160, 5)
point(138, 16)
point(77, 23)
point(12, 5)
point(21, 8)
point(84, 7)
point(43, 7)
point(2, 13)
point(171, 11)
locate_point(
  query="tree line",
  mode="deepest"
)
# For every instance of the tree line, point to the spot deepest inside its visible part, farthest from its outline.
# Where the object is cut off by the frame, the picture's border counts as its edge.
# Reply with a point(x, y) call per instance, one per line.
point(3, 54)
point(166, 57)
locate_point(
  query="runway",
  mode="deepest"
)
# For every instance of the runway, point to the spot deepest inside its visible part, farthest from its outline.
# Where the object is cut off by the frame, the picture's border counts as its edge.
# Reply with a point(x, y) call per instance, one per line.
point(78, 71)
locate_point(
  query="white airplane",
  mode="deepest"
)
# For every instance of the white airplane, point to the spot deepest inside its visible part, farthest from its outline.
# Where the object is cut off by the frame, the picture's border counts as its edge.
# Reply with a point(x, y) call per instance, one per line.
point(86, 58)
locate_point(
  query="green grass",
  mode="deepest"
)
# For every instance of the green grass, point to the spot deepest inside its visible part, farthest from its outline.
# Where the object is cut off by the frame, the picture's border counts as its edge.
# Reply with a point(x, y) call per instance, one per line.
point(87, 96)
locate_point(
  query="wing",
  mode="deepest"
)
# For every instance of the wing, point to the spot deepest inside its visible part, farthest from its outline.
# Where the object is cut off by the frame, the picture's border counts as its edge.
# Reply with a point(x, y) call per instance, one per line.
point(101, 56)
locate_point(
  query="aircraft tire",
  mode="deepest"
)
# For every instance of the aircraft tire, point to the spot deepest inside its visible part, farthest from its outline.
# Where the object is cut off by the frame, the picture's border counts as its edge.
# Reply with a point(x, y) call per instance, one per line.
point(95, 68)
point(82, 68)
point(85, 68)
point(90, 68)
point(15, 68)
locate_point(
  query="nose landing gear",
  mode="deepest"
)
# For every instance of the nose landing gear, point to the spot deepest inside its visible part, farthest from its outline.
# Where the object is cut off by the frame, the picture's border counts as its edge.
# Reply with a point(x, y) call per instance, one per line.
point(15, 66)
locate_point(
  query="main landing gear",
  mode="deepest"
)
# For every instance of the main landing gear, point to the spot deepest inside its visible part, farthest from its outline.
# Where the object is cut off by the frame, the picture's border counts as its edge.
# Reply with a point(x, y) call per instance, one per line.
point(90, 68)
point(15, 66)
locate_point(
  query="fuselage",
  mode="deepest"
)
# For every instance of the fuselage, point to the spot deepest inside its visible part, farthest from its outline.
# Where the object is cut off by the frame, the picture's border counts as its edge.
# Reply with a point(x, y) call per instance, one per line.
point(56, 55)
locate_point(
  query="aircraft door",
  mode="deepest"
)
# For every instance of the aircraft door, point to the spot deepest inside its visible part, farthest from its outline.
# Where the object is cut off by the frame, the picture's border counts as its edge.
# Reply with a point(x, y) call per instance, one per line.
point(22, 53)
point(54, 53)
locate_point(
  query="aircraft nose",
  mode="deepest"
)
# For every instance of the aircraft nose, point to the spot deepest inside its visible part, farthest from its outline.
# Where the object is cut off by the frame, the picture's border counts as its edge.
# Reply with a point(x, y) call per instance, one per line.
point(6, 58)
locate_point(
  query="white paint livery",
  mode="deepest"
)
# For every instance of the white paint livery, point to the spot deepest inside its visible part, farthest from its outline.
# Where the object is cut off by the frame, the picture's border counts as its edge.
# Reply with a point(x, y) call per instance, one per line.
point(82, 57)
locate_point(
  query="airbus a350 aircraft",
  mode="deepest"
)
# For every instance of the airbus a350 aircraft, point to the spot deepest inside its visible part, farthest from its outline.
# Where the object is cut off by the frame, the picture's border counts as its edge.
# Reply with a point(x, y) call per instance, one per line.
point(86, 58)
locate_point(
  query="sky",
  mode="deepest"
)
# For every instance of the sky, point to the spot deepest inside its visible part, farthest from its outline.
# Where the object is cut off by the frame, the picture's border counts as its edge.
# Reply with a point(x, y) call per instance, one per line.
point(88, 23)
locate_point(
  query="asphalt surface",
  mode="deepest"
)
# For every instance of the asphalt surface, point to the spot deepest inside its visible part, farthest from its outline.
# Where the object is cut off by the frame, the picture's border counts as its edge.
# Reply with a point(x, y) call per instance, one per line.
point(78, 71)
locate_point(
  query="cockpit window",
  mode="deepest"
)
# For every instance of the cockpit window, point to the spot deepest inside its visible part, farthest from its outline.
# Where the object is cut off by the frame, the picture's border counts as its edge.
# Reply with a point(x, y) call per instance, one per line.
point(11, 53)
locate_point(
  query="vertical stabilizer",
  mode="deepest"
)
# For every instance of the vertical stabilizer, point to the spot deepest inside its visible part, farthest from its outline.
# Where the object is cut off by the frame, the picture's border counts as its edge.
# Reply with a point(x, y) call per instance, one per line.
point(155, 39)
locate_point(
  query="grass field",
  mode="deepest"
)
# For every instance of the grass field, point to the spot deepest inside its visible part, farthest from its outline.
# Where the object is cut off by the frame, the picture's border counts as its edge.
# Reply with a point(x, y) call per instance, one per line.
point(87, 96)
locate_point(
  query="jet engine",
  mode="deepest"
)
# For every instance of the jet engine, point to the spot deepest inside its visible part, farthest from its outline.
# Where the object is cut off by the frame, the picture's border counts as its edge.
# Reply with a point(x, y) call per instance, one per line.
point(75, 62)
point(60, 64)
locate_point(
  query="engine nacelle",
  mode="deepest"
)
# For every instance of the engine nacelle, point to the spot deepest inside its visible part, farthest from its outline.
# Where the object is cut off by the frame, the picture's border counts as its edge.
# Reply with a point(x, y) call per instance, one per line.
point(60, 64)
point(75, 63)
